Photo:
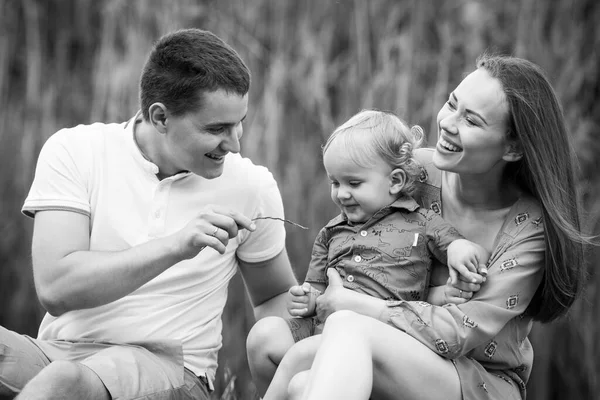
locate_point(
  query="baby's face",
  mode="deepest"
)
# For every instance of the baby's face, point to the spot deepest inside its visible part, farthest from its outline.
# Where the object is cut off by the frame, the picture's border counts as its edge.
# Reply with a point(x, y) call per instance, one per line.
point(358, 191)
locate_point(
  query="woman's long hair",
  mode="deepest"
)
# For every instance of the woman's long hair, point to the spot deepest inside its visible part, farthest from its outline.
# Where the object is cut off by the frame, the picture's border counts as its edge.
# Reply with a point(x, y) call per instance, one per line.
point(548, 171)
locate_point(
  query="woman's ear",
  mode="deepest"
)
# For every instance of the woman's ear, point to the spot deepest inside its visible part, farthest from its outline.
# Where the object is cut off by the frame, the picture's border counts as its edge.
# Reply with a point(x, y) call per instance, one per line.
point(397, 181)
point(513, 152)
point(158, 117)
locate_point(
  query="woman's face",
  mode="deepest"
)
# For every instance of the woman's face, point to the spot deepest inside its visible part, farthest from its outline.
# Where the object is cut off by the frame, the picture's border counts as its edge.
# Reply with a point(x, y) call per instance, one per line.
point(472, 127)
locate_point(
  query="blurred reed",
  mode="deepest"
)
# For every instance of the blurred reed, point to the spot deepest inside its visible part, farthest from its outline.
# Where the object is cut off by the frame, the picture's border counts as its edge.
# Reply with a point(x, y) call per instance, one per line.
point(65, 62)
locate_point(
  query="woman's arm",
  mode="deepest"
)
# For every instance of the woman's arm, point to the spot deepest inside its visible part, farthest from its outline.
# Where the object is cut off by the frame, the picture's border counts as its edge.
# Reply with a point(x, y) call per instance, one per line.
point(449, 247)
point(455, 329)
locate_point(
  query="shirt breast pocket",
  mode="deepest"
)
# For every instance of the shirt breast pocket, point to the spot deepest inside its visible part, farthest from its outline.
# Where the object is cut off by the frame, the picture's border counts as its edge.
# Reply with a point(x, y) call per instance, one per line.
point(406, 242)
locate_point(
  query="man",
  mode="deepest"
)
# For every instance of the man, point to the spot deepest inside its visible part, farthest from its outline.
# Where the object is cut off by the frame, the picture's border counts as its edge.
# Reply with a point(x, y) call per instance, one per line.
point(138, 229)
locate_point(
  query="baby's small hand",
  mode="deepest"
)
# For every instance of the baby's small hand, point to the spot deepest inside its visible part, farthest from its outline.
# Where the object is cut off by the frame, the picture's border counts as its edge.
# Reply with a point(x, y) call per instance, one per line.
point(301, 301)
point(306, 287)
point(467, 260)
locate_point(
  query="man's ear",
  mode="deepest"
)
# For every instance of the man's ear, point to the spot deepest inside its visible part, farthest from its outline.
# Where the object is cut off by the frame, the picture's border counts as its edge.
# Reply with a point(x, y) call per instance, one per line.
point(158, 117)
point(397, 181)
point(514, 151)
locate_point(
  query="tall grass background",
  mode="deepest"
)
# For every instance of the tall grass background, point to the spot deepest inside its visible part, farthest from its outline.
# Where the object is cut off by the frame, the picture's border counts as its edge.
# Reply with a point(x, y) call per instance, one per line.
point(314, 63)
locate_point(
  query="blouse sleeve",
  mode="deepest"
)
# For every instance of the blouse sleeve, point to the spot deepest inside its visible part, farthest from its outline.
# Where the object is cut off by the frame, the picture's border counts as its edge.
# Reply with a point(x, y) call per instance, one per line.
point(514, 273)
point(440, 234)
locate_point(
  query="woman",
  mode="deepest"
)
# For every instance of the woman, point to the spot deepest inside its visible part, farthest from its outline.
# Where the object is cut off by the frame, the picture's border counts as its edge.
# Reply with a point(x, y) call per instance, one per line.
point(502, 173)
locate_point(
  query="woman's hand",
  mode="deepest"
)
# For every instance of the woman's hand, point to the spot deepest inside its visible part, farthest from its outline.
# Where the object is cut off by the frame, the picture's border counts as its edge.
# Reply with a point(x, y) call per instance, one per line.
point(461, 291)
point(336, 297)
point(332, 299)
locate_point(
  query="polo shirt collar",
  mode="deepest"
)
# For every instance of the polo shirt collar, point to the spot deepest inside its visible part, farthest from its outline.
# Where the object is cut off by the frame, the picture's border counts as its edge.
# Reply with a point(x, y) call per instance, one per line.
point(406, 203)
point(135, 150)
point(137, 154)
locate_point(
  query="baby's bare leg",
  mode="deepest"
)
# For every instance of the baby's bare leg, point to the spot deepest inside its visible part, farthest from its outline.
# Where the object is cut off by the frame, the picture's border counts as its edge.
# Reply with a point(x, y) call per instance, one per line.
point(298, 358)
point(268, 341)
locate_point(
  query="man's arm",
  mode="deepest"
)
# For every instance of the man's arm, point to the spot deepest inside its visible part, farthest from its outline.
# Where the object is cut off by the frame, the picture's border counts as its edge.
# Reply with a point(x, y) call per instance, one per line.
point(68, 276)
point(267, 283)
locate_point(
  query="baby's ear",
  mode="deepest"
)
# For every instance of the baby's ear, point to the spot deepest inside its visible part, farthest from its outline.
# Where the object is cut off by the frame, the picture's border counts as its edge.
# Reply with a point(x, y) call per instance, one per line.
point(397, 181)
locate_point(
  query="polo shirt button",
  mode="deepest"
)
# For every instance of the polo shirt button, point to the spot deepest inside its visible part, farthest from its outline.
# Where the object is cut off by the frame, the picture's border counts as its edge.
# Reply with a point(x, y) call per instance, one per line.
point(363, 233)
point(157, 214)
point(358, 258)
point(350, 278)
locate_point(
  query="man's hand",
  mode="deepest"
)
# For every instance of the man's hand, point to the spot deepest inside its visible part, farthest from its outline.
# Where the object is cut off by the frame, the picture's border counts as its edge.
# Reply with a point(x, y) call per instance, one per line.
point(302, 300)
point(213, 227)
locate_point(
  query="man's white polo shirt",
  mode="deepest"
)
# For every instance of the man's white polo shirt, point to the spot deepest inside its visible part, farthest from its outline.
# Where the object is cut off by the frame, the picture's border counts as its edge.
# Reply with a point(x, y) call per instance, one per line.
point(99, 171)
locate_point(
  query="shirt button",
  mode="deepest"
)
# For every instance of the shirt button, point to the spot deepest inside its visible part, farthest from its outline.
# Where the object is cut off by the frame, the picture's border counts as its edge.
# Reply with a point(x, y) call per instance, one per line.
point(363, 233)
point(350, 278)
point(358, 258)
point(157, 214)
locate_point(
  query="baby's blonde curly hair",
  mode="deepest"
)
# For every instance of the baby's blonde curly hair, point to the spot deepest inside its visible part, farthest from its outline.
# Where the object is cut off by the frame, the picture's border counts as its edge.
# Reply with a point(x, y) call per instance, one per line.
point(391, 139)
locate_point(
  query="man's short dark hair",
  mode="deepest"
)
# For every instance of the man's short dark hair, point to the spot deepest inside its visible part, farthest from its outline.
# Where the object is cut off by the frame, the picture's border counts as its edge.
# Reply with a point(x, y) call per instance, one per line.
point(185, 64)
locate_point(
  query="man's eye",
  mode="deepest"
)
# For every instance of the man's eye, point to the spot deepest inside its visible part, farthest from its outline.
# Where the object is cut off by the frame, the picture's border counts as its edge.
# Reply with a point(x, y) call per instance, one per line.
point(217, 130)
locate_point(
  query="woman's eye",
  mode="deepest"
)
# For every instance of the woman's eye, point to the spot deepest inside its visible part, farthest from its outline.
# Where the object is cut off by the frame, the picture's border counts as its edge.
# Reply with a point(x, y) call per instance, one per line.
point(450, 105)
point(470, 122)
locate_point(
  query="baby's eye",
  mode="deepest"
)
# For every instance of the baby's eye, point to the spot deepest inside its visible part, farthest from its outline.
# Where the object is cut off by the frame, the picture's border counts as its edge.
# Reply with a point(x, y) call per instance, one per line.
point(354, 183)
point(334, 183)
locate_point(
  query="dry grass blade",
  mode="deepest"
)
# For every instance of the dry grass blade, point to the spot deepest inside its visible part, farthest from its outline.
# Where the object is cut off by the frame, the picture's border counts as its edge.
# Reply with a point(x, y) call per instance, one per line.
point(282, 219)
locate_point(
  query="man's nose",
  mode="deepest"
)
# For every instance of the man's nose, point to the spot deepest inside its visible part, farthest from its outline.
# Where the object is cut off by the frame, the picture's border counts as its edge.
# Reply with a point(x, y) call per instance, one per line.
point(231, 142)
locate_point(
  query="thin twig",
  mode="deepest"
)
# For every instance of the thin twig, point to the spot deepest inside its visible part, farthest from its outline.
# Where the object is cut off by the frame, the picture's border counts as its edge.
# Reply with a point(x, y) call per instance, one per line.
point(282, 219)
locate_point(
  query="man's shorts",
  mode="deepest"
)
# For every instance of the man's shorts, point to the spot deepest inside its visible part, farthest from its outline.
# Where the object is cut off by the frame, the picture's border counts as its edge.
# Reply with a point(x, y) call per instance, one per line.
point(302, 328)
point(144, 370)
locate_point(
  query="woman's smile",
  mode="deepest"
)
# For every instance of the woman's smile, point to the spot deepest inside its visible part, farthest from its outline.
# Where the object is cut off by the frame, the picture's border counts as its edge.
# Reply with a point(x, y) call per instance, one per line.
point(447, 145)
